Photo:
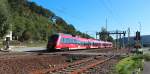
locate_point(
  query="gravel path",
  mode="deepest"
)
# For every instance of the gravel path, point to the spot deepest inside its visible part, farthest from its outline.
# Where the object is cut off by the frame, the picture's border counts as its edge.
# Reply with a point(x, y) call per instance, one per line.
point(146, 68)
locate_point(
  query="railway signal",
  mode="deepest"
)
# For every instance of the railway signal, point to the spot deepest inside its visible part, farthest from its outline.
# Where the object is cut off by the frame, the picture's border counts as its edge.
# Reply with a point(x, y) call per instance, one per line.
point(137, 37)
point(137, 44)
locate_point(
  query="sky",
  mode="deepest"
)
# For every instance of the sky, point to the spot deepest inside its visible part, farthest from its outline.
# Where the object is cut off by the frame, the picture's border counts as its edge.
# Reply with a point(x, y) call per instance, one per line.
point(89, 16)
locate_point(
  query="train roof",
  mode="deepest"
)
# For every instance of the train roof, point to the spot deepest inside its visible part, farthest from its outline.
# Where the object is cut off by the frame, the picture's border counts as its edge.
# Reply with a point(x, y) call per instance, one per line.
point(80, 38)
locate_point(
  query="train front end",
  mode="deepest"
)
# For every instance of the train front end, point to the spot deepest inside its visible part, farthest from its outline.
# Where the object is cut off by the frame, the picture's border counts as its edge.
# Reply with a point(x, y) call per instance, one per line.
point(52, 42)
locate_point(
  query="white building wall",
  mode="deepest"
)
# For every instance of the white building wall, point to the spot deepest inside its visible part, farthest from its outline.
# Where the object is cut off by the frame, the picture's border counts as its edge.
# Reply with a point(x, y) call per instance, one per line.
point(9, 35)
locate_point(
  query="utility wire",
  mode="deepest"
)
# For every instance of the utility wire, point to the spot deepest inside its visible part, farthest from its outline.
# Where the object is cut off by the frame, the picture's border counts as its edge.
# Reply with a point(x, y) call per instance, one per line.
point(108, 8)
point(61, 11)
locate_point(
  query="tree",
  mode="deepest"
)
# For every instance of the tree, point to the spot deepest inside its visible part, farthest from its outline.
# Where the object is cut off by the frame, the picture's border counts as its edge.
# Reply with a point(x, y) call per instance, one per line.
point(4, 26)
point(105, 36)
point(71, 29)
point(26, 35)
point(110, 39)
point(31, 21)
point(18, 26)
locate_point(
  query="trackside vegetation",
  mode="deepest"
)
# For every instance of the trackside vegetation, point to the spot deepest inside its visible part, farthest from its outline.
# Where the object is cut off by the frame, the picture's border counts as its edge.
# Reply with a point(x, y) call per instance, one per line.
point(130, 65)
point(146, 56)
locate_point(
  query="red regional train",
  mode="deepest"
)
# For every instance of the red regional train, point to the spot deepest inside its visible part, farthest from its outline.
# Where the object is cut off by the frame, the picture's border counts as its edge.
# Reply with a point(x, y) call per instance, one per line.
point(62, 41)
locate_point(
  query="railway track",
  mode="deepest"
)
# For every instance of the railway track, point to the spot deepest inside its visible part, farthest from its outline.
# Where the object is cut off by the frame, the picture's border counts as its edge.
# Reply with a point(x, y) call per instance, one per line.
point(56, 52)
point(76, 67)
point(76, 51)
point(65, 62)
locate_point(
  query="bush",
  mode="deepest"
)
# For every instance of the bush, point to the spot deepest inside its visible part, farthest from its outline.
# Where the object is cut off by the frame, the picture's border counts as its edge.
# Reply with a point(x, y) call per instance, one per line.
point(26, 35)
point(146, 57)
point(129, 64)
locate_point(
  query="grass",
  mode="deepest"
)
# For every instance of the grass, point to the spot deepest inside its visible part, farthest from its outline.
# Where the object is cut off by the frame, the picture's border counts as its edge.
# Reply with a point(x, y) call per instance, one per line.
point(36, 44)
point(130, 64)
point(27, 43)
point(146, 57)
point(1, 44)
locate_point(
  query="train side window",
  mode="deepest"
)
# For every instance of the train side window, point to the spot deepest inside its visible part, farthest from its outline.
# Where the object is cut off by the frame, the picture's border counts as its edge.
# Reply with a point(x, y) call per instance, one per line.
point(62, 40)
point(78, 42)
point(86, 43)
point(82, 43)
point(71, 41)
point(67, 39)
point(89, 43)
point(74, 41)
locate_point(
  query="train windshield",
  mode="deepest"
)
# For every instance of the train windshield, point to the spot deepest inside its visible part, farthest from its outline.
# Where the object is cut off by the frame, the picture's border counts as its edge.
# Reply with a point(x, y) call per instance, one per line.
point(53, 38)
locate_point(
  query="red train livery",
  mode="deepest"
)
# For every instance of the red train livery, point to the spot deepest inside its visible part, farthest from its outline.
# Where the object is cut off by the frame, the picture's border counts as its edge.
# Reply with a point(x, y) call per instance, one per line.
point(68, 42)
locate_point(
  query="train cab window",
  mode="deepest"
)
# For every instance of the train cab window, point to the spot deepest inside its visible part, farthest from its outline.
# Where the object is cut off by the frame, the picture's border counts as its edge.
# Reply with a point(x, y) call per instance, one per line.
point(62, 40)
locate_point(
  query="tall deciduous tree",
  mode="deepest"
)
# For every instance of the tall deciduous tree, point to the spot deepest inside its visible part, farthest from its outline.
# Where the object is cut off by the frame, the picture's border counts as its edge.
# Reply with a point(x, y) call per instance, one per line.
point(4, 25)
point(105, 36)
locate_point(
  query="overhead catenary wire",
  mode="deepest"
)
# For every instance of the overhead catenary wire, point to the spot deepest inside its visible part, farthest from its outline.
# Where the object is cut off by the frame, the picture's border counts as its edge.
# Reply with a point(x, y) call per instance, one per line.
point(108, 7)
point(62, 11)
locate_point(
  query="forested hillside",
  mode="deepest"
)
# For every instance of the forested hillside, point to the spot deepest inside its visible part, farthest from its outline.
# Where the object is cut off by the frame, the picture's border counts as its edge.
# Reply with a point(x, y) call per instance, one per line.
point(28, 21)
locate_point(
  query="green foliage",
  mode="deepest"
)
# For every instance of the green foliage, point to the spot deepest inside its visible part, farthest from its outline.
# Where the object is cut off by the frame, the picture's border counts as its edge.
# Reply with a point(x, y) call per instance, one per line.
point(26, 35)
point(110, 39)
point(129, 64)
point(4, 25)
point(146, 56)
point(31, 22)
point(104, 35)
